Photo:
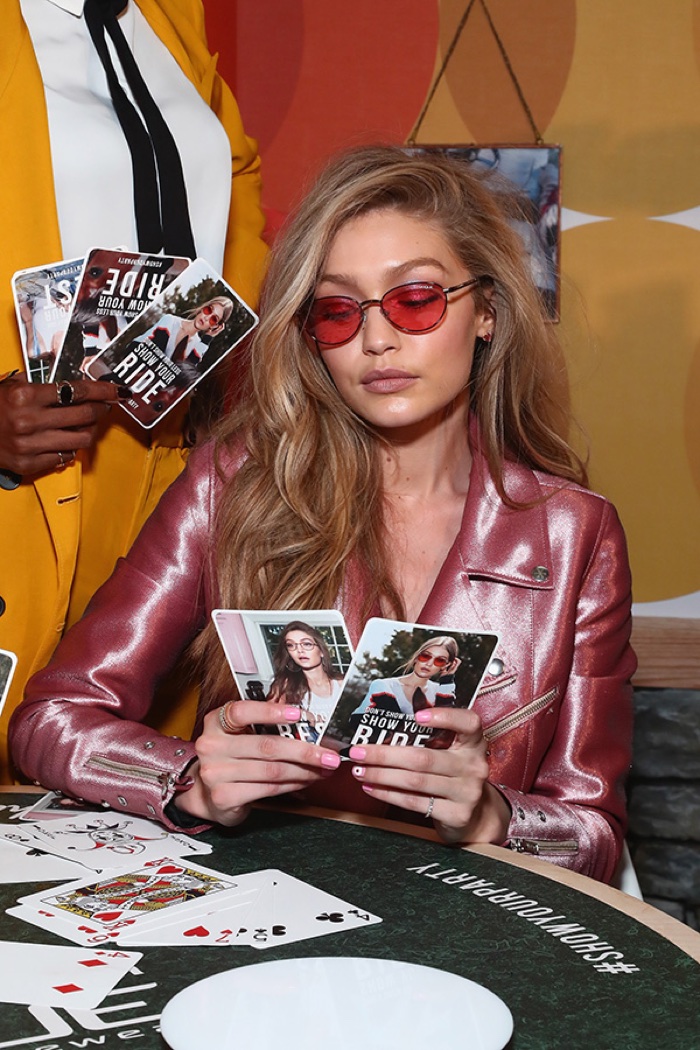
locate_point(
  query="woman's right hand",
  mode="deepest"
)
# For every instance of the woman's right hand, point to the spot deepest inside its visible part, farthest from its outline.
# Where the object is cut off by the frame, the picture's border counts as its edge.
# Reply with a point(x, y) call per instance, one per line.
point(235, 768)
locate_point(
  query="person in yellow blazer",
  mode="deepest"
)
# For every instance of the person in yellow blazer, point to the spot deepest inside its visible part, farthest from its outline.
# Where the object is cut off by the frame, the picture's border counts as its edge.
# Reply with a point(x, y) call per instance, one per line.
point(62, 530)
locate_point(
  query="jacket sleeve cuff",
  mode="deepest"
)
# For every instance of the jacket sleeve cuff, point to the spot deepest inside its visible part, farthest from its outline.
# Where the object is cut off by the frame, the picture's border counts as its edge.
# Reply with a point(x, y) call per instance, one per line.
point(149, 790)
point(536, 824)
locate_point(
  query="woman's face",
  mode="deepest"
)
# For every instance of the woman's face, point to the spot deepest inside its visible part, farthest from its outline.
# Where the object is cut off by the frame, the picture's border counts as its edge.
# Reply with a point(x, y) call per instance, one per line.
point(209, 318)
point(302, 648)
point(433, 660)
point(397, 380)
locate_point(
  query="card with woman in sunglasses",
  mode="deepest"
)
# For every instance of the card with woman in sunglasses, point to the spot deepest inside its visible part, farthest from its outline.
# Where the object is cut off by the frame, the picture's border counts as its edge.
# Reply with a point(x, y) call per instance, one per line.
point(399, 670)
point(174, 342)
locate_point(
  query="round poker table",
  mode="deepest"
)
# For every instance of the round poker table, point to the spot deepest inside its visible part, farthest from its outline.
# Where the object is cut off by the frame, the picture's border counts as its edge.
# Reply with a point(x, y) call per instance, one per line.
point(579, 965)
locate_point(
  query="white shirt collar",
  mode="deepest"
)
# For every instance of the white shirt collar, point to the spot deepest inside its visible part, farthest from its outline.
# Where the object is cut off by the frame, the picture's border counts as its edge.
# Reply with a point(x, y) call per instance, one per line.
point(73, 7)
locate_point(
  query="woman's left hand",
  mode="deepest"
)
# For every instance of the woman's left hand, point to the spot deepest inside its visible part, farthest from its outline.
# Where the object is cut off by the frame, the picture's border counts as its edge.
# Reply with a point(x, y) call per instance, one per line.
point(451, 785)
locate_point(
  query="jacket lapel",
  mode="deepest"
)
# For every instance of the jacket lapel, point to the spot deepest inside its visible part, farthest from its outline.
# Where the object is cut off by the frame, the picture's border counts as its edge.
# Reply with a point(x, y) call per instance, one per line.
point(494, 543)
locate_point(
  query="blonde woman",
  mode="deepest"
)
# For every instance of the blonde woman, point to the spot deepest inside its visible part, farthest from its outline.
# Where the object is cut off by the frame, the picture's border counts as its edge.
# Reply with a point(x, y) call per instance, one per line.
point(413, 687)
point(188, 338)
point(401, 449)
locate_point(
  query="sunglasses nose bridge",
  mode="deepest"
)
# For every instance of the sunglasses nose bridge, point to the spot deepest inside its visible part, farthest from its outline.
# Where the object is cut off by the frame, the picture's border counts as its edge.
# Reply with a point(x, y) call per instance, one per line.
point(364, 307)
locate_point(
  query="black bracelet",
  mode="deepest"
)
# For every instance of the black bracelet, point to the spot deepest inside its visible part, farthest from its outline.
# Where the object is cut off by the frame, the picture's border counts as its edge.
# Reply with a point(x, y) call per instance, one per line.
point(179, 818)
point(9, 480)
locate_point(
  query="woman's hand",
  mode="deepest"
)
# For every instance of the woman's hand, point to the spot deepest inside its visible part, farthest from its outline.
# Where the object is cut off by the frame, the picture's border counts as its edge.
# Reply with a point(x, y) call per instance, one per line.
point(235, 767)
point(39, 432)
point(451, 786)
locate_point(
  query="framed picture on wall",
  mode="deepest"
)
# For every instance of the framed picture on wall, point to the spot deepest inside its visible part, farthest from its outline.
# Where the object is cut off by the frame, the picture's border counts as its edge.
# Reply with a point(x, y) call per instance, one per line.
point(532, 175)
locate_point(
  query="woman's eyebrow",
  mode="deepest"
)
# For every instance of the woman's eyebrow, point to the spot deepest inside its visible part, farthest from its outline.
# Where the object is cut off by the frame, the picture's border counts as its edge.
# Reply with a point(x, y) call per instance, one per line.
point(394, 271)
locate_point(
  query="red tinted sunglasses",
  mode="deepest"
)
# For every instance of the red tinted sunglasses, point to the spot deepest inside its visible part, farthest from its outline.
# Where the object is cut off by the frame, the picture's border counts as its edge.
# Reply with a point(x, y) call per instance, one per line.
point(439, 661)
point(214, 321)
point(415, 308)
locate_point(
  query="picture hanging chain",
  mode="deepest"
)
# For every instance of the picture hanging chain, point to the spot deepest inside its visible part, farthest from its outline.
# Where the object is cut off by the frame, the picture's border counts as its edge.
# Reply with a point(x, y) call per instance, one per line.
point(448, 56)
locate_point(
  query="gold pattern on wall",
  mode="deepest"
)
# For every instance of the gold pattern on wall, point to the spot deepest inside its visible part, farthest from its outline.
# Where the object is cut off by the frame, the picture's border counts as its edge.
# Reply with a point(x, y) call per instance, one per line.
point(616, 83)
point(628, 118)
point(539, 39)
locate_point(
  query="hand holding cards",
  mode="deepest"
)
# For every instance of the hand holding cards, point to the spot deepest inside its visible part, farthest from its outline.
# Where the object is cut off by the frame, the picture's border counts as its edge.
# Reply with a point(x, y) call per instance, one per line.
point(401, 669)
point(305, 658)
point(152, 323)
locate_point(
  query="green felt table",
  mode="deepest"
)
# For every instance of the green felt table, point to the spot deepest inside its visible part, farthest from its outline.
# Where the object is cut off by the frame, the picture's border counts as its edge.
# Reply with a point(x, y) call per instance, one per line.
point(576, 972)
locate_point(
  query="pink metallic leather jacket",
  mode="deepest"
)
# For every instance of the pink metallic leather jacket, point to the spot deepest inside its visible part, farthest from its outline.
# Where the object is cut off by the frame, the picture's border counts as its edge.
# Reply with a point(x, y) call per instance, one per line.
point(552, 579)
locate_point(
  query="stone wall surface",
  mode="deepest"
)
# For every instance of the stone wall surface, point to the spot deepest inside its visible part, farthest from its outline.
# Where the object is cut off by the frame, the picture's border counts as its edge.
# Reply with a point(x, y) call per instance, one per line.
point(664, 800)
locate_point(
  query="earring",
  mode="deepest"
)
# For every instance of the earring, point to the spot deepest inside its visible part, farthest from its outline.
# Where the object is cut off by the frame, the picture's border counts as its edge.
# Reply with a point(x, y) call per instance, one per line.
point(487, 337)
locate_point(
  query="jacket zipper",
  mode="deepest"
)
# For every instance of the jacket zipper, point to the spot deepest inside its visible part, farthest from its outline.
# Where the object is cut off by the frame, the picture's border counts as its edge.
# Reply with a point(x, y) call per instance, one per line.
point(166, 778)
point(511, 721)
point(495, 686)
point(541, 847)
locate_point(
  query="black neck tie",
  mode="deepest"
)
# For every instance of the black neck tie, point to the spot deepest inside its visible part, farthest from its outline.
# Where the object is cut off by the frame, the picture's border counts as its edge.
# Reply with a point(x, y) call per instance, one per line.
point(160, 196)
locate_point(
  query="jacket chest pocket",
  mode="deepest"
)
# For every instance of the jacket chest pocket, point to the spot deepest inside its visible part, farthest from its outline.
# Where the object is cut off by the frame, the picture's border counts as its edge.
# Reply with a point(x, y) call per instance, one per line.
point(521, 715)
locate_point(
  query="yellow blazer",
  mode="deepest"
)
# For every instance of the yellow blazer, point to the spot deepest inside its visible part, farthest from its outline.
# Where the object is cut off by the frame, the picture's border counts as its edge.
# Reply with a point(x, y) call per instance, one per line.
point(62, 532)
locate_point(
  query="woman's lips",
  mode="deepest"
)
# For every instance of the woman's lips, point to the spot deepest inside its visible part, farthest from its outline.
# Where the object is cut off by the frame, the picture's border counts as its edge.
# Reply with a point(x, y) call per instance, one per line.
point(387, 380)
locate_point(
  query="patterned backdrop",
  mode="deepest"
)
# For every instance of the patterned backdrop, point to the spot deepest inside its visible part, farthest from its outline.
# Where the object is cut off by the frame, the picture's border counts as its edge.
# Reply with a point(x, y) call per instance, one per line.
point(617, 85)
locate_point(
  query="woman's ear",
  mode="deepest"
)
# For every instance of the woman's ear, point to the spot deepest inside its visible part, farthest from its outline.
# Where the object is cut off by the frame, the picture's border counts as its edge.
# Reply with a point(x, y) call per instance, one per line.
point(487, 323)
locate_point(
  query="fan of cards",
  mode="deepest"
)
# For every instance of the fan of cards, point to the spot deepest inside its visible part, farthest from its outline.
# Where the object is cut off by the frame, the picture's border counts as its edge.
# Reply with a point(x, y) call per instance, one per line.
point(128, 317)
point(144, 890)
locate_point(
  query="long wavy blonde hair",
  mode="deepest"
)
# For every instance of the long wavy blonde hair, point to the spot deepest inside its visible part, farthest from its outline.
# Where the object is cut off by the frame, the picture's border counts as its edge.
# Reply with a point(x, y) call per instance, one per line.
point(308, 499)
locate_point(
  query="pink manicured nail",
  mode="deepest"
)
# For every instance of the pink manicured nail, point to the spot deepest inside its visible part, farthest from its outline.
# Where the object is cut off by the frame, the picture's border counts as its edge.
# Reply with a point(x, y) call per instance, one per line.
point(358, 771)
point(423, 716)
point(358, 753)
point(330, 760)
point(292, 713)
point(368, 789)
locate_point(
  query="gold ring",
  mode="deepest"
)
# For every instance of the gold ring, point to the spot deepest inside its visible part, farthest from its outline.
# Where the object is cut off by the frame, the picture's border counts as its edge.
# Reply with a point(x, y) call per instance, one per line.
point(429, 810)
point(65, 393)
point(228, 727)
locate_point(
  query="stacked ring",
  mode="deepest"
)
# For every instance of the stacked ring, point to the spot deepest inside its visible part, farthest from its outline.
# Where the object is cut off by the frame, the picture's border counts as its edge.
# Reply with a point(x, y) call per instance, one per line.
point(65, 393)
point(228, 727)
point(429, 810)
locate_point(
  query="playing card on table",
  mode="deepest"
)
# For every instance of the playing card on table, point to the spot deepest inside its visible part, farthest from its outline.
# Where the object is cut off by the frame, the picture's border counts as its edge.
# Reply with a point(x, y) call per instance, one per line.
point(223, 924)
point(54, 806)
point(103, 841)
point(97, 911)
point(27, 863)
point(51, 975)
point(290, 910)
